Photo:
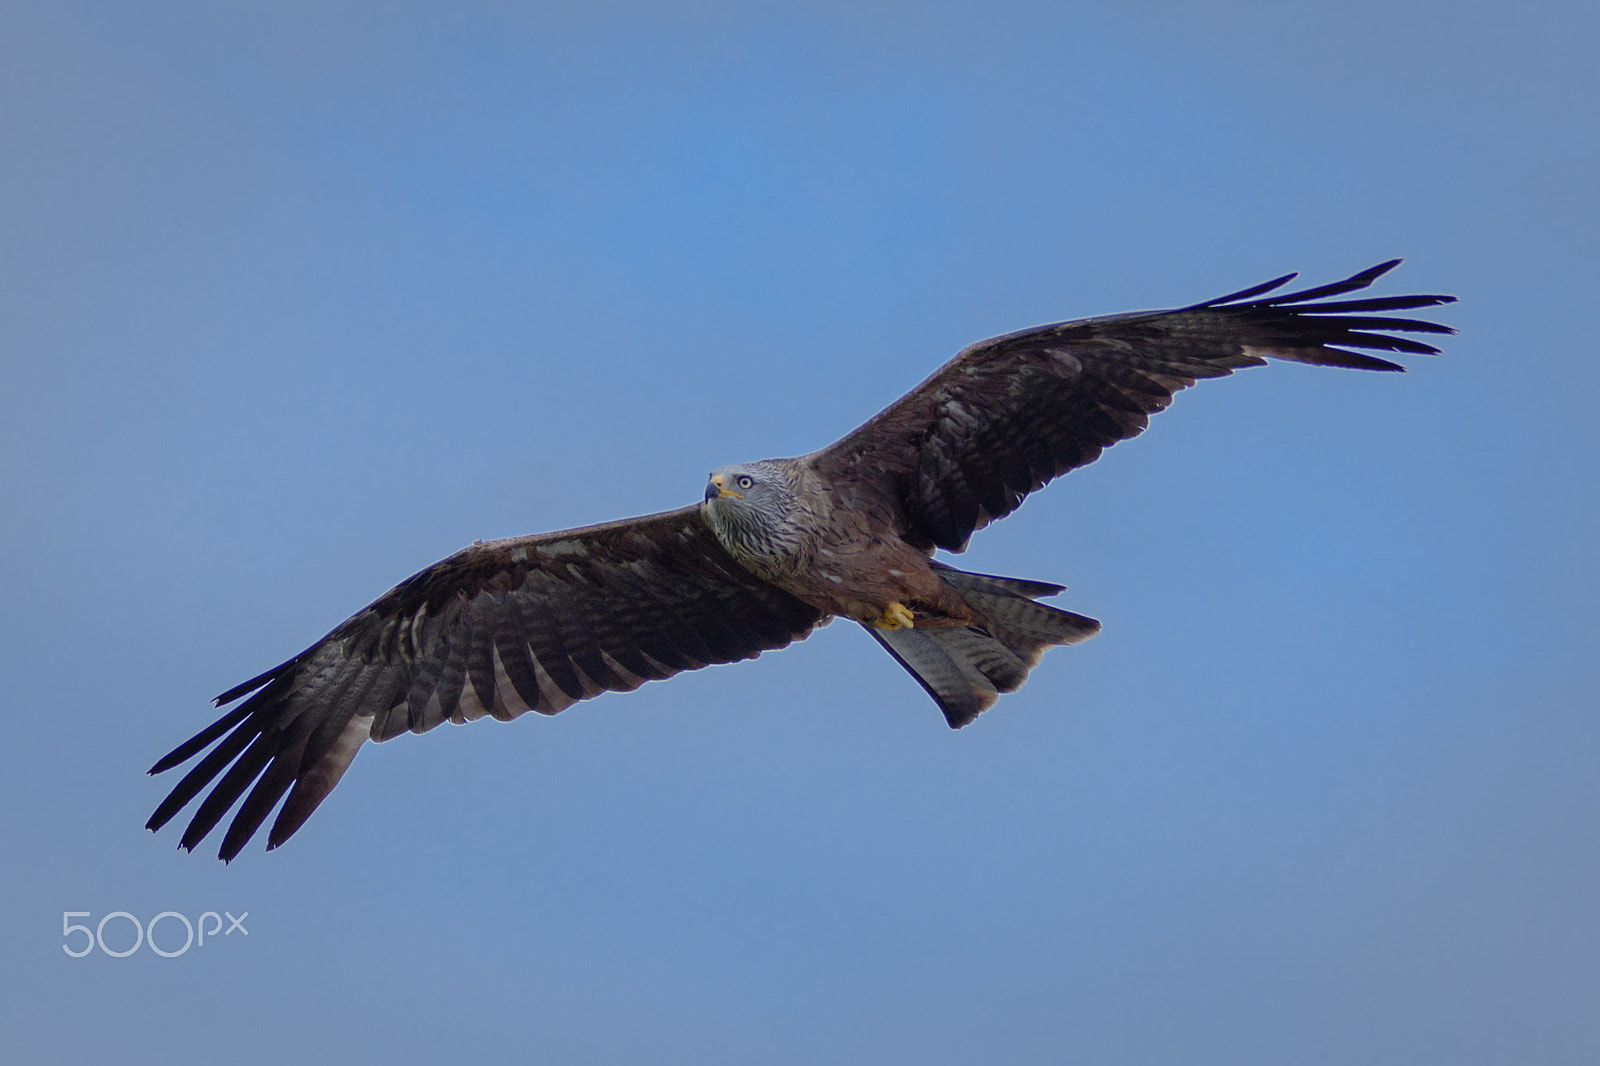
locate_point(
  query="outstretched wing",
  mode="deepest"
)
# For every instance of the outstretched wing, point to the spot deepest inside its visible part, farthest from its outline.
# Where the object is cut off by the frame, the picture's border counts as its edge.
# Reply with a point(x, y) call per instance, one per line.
point(499, 628)
point(1007, 415)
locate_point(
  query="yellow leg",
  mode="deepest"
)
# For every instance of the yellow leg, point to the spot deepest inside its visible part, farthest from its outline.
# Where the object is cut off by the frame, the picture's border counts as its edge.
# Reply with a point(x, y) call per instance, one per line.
point(896, 616)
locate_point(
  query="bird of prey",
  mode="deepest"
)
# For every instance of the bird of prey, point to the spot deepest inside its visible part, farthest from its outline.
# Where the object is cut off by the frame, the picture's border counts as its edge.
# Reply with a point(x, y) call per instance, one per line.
point(774, 549)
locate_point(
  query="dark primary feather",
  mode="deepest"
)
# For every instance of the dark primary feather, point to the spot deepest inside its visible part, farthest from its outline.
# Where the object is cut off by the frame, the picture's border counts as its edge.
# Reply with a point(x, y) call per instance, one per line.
point(1009, 414)
point(533, 623)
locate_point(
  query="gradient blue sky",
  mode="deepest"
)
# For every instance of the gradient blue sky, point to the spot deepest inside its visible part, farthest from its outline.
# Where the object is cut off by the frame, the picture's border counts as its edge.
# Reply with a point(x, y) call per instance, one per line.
point(298, 298)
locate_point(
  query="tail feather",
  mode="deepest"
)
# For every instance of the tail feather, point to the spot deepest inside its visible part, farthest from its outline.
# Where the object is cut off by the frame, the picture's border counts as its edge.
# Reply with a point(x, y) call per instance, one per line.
point(991, 583)
point(962, 693)
point(965, 669)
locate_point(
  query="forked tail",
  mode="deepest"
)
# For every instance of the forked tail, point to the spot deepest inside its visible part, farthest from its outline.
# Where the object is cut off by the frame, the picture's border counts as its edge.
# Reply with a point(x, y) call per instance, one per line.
point(965, 669)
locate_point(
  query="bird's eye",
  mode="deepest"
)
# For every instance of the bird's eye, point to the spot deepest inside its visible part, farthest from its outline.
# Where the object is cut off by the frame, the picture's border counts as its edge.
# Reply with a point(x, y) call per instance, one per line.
point(745, 482)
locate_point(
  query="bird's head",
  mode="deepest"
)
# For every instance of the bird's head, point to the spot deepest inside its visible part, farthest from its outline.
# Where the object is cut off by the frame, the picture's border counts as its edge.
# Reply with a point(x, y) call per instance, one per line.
point(749, 502)
point(741, 481)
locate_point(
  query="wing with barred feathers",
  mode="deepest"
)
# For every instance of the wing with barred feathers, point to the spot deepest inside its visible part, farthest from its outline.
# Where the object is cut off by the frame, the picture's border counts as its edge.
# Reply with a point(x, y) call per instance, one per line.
point(1009, 414)
point(498, 629)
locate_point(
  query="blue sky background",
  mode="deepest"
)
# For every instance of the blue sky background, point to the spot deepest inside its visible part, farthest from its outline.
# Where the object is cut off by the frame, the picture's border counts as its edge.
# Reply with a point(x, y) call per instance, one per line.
point(297, 298)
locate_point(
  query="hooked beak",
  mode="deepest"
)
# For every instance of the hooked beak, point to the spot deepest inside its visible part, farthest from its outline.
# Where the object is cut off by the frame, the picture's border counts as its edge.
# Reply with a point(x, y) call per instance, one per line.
point(715, 489)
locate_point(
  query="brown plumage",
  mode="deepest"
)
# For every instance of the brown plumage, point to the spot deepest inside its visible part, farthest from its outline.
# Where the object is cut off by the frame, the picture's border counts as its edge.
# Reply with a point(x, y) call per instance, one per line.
point(775, 548)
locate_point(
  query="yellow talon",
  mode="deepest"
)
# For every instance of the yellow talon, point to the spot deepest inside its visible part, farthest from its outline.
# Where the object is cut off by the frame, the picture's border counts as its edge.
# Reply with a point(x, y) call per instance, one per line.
point(896, 616)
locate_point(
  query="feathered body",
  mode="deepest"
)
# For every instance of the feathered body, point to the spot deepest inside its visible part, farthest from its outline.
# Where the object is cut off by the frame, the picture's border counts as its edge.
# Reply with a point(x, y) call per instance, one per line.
point(842, 553)
point(776, 548)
